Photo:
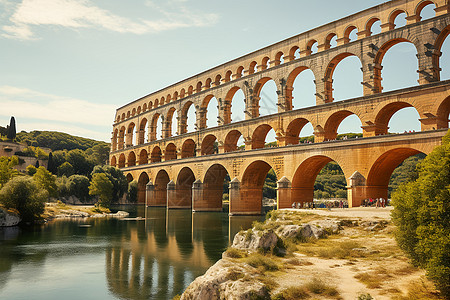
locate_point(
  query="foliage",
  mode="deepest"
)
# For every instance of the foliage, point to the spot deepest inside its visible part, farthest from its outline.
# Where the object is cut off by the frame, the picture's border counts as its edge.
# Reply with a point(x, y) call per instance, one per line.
point(62, 185)
point(330, 183)
point(270, 185)
point(56, 140)
point(115, 175)
point(102, 187)
point(65, 169)
point(80, 162)
point(45, 180)
point(24, 195)
point(78, 186)
point(262, 262)
point(31, 170)
point(406, 171)
point(98, 154)
point(11, 135)
point(32, 151)
point(51, 164)
point(132, 194)
point(422, 214)
point(7, 170)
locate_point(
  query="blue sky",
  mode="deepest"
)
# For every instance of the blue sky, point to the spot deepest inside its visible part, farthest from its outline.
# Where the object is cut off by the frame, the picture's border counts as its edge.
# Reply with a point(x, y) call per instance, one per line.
point(66, 65)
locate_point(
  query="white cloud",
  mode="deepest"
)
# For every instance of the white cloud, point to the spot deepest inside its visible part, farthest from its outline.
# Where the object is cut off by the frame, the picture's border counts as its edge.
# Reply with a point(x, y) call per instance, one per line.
point(77, 116)
point(83, 14)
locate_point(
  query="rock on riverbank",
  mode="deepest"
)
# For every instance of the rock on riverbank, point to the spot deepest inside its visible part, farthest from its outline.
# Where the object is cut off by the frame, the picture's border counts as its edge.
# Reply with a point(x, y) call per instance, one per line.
point(8, 219)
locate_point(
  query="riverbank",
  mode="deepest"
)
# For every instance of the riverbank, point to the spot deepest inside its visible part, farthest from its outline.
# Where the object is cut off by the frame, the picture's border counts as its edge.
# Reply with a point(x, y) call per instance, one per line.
point(320, 254)
point(58, 209)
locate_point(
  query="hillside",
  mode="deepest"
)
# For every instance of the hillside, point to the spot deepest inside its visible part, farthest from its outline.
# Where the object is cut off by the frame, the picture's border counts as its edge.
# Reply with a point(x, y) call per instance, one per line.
point(57, 140)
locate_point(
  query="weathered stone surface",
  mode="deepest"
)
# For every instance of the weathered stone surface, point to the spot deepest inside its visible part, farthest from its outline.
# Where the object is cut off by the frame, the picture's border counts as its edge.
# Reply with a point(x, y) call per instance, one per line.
point(288, 231)
point(297, 231)
point(222, 281)
point(8, 219)
point(253, 240)
point(332, 226)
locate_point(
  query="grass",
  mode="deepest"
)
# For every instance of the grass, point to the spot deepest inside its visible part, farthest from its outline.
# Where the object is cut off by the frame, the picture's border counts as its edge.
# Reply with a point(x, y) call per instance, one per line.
point(315, 287)
point(319, 287)
point(262, 262)
point(374, 279)
point(234, 253)
point(330, 248)
point(292, 293)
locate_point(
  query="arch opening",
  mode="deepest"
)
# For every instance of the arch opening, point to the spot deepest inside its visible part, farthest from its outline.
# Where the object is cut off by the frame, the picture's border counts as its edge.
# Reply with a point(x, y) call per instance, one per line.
point(265, 98)
point(263, 136)
point(130, 135)
point(234, 106)
point(184, 183)
point(143, 132)
point(425, 10)
point(188, 149)
point(300, 89)
point(215, 189)
point(346, 78)
point(122, 161)
point(143, 157)
point(160, 194)
point(142, 183)
point(156, 155)
point(300, 130)
point(209, 145)
point(403, 121)
point(333, 125)
point(131, 159)
point(232, 140)
point(171, 152)
point(113, 161)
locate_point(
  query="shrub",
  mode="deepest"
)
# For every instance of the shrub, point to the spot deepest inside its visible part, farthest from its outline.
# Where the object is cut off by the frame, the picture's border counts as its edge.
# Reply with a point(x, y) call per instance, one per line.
point(263, 262)
point(292, 293)
point(132, 194)
point(101, 187)
point(422, 215)
point(46, 181)
point(78, 186)
point(318, 287)
point(25, 196)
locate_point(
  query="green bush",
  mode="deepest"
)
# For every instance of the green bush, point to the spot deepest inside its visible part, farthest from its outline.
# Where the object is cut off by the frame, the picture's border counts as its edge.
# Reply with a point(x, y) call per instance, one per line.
point(46, 181)
point(101, 187)
point(132, 194)
point(24, 195)
point(422, 215)
point(78, 186)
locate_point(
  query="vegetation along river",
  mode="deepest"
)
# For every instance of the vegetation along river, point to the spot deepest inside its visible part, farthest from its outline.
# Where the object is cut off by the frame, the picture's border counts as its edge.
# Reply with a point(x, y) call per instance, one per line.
point(156, 257)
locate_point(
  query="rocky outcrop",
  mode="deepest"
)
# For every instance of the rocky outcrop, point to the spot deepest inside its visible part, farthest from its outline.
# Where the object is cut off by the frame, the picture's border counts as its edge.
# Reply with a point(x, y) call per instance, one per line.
point(300, 231)
point(252, 240)
point(224, 280)
point(8, 219)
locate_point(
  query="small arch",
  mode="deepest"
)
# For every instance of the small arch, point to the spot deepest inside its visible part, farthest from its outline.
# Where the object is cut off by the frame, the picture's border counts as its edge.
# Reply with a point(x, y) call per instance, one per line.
point(156, 154)
point(279, 59)
point(128, 114)
point(118, 119)
point(113, 161)
point(188, 149)
point(190, 90)
point(122, 161)
point(209, 145)
point(294, 52)
point(311, 47)
point(349, 35)
point(371, 27)
point(123, 116)
point(265, 63)
point(425, 10)
point(199, 87)
point(150, 105)
point(138, 111)
point(175, 96)
point(396, 18)
point(228, 75)
point(231, 141)
point(217, 79)
point(143, 157)
point(129, 177)
point(131, 159)
point(144, 107)
point(330, 41)
point(182, 93)
point(169, 98)
point(208, 83)
point(239, 72)
point(162, 101)
point(133, 112)
point(171, 152)
point(252, 67)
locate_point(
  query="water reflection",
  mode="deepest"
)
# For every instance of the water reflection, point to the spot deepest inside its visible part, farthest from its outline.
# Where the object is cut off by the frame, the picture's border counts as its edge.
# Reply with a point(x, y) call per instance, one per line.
point(155, 258)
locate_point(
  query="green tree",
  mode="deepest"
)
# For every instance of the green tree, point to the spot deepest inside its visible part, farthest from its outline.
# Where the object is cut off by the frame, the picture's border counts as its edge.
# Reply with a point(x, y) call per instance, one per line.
point(24, 195)
point(79, 162)
point(31, 170)
point(422, 215)
point(101, 187)
point(46, 180)
point(7, 170)
point(62, 184)
point(51, 164)
point(12, 129)
point(132, 194)
point(65, 169)
point(78, 186)
point(117, 178)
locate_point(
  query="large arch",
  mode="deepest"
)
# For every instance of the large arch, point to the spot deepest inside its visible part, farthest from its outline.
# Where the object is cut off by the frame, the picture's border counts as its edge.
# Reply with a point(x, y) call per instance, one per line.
point(155, 128)
point(209, 145)
point(113, 161)
point(143, 157)
point(171, 122)
point(171, 152)
point(131, 161)
point(160, 195)
point(381, 171)
point(302, 189)
point(231, 141)
point(185, 179)
point(213, 185)
point(188, 149)
point(251, 189)
point(437, 53)
point(142, 184)
point(187, 118)
point(259, 136)
point(130, 134)
point(333, 122)
point(234, 105)
point(378, 61)
point(143, 133)
point(156, 154)
point(329, 71)
point(122, 161)
point(264, 99)
point(443, 114)
point(121, 139)
point(298, 87)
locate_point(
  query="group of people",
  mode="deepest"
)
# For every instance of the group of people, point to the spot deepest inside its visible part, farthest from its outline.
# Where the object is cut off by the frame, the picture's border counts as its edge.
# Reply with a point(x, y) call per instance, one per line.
point(326, 204)
point(377, 202)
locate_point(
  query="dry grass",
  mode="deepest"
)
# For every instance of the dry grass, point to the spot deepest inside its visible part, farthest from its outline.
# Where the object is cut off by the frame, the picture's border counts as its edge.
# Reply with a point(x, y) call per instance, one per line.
point(292, 293)
point(418, 290)
point(234, 253)
point(319, 287)
point(331, 248)
point(262, 262)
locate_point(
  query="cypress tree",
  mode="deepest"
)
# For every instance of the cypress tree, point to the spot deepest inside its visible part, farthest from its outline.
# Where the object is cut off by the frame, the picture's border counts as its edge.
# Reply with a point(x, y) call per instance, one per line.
point(51, 163)
point(37, 163)
point(12, 129)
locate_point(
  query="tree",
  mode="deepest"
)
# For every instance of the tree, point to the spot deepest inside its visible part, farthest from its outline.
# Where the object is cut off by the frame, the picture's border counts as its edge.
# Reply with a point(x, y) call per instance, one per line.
point(51, 164)
point(78, 186)
point(12, 129)
point(117, 178)
point(65, 169)
point(132, 193)
point(37, 163)
point(31, 170)
point(7, 170)
point(46, 180)
point(101, 187)
point(25, 196)
point(422, 215)
point(79, 162)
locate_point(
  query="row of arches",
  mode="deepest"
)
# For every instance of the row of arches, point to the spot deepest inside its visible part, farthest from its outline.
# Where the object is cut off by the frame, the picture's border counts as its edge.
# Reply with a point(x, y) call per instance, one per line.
point(181, 189)
point(290, 135)
point(397, 18)
point(265, 97)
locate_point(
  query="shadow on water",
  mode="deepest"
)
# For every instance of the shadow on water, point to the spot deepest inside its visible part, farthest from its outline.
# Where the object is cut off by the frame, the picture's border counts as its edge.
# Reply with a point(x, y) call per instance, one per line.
point(152, 258)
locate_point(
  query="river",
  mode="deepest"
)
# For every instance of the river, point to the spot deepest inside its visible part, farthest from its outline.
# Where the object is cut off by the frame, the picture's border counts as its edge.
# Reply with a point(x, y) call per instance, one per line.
point(99, 258)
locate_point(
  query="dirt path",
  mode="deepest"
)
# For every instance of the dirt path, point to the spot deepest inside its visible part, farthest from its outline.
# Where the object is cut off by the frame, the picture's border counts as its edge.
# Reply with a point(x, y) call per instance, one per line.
point(356, 212)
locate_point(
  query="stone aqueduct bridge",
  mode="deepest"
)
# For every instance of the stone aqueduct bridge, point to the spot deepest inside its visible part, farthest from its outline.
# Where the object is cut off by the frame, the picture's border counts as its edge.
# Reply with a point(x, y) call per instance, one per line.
point(184, 171)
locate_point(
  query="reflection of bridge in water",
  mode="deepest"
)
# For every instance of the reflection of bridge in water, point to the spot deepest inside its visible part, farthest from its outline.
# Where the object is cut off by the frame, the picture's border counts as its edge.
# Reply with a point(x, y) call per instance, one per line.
point(187, 171)
point(158, 259)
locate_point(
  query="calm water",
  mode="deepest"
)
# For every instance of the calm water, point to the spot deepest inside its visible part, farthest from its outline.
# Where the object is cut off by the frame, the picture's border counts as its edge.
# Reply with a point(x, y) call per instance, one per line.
point(155, 258)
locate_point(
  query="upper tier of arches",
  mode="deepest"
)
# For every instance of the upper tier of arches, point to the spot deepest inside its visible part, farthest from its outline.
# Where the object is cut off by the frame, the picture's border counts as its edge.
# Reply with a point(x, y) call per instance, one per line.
point(334, 34)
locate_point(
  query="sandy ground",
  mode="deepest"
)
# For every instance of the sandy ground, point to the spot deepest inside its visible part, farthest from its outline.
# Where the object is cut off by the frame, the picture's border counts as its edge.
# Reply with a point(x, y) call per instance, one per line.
point(356, 212)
